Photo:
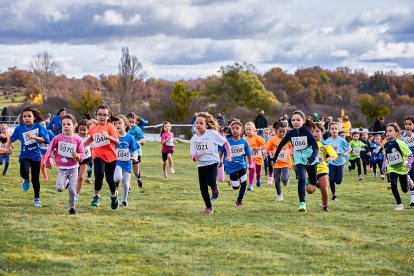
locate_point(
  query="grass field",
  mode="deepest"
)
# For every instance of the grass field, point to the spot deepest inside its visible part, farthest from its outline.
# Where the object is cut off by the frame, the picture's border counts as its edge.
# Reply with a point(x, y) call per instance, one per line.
point(18, 100)
point(164, 230)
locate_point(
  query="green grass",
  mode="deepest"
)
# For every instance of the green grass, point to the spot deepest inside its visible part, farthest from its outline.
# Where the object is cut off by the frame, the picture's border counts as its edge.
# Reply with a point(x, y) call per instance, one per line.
point(18, 100)
point(164, 231)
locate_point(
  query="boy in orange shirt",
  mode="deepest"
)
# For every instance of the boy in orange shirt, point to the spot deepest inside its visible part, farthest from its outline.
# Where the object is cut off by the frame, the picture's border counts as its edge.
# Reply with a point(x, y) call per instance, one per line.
point(281, 167)
point(256, 144)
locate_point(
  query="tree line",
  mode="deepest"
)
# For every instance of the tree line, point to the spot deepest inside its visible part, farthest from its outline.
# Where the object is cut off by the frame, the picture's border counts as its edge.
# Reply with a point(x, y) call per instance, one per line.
point(237, 90)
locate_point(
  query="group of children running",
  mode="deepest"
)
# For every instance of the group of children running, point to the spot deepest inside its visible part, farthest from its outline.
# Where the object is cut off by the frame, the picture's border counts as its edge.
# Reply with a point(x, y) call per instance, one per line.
point(112, 147)
point(316, 161)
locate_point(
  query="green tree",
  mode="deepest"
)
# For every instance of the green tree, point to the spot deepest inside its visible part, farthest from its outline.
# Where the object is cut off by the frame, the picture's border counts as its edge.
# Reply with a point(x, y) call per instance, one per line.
point(374, 106)
point(180, 98)
point(88, 102)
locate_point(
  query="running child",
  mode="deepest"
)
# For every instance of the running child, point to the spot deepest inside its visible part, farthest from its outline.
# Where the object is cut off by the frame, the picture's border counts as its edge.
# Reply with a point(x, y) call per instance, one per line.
point(105, 138)
point(326, 153)
point(281, 167)
point(4, 153)
point(168, 144)
point(256, 144)
point(377, 157)
point(43, 150)
point(68, 150)
point(204, 150)
point(409, 140)
point(127, 150)
point(365, 153)
point(398, 160)
point(86, 163)
point(305, 151)
point(139, 137)
point(236, 168)
point(31, 134)
point(266, 160)
point(355, 156)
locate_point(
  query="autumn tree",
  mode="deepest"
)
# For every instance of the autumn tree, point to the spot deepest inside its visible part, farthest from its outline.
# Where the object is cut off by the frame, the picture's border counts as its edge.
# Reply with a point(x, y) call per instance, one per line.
point(374, 106)
point(130, 81)
point(180, 98)
point(44, 66)
point(88, 102)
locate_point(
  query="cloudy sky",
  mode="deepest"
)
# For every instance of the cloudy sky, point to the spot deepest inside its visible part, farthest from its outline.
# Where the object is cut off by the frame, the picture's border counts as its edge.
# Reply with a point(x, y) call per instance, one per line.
point(191, 38)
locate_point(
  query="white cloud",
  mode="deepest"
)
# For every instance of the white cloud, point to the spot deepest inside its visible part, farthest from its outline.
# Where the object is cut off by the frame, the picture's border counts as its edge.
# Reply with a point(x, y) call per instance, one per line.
point(385, 51)
point(115, 18)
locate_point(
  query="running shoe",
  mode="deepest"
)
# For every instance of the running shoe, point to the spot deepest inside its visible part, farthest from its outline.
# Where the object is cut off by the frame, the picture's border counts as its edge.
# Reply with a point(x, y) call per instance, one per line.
point(208, 211)
point(37, 202)
point(172, 170)
point(279, 197)
point(258, 184)
point(239, 203)
point(270, 180)
point(334, 198)
point(250, 187)
point(124, 204)
point(139, 180)
point(72, 211)
point(215, 195)
point(26, 185)
point(302, 207)
point(96, 201)
point(399, 207)
point(114, 201)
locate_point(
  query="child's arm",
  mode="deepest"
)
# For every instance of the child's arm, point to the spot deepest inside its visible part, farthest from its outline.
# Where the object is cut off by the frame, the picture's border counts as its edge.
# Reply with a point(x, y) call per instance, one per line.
point(88, 142)
point(409, 162)
point(227, 146)
point(49, 153)
point(110, 138)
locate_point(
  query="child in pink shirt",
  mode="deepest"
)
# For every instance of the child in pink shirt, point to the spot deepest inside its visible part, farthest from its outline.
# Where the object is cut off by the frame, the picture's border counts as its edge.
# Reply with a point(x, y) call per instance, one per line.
point(168, 144)
point(69, 151)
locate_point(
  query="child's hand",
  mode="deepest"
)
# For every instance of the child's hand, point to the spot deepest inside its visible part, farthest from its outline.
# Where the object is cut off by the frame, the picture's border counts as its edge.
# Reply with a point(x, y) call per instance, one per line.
point(228, 159)
point(195, 157)
point(134, 160)
point(408, 165)
point(329, 159)
point(105, 134)
point(76, 155)
point(220, 164)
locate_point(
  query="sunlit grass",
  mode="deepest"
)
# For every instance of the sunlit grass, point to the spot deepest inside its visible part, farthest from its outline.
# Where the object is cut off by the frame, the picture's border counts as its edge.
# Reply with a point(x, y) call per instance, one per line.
point(164, 230)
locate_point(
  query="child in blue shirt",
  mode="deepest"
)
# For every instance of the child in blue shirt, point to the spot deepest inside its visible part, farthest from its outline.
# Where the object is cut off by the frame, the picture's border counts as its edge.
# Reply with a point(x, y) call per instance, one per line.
point(31, 134)
point(376, 157)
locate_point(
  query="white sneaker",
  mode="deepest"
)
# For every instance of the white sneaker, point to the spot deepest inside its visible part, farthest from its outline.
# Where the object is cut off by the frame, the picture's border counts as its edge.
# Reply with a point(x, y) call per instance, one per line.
point(399, 207)
point(279, 197)
point(165, 175)
point(359, 177)
point(270, 180)
point(172, 170)
point(250, 187)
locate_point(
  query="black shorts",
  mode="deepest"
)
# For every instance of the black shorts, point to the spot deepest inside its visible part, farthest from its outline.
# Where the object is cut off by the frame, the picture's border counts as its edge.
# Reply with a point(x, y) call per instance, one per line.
point(138, 160)
point(320, 175)
point(165, 154)
point(87, 161)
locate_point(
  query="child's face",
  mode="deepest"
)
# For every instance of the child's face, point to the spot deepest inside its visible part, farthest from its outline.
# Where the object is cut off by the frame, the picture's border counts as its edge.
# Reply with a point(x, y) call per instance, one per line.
point(167, 127)
point(281, 132)
point(249, 130)
point(266, 134)
point(297, 121)
point(408, 124)
point(83, 131)
point(4, 129)
point(391, 133)
point(28, 118)
point(377, 140)
point(102, 115)
point(364, 136)
point(68, 128)
point(200, 124)
point(334, 130)
point(236, 130)
point(317, 134)
point(120, 126)
point(355, 136)
point(131, 122)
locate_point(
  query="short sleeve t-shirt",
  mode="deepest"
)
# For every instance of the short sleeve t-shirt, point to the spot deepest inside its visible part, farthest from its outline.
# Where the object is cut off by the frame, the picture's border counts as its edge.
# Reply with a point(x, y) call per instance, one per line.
point(124, 150)
point(258, 142)
point(284, 159)
point(396, 152)
point(169, 145)
point(340, 145)
point(103, 148)
point(206, 146)
point(239, 150)
point(30, 148)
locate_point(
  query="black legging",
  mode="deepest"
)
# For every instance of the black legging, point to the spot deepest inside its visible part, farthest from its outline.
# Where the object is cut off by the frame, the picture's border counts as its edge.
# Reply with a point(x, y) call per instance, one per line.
point(356, 162)
point(25, 165)
point(101, 169)
point(207, 177)
point(374, 166)
point(394, 185)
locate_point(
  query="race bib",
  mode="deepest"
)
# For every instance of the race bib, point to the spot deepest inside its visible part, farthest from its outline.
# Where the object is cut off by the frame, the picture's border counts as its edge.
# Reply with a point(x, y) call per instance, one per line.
point(282, 156)
point(394, 158)
point(356, 151)
point(44, 146)
point(320, 158)
point(27, 140)
point(237, 150)
point(3, 146)
point(203, 147)
point(123, 154)
point(335, 147)
point(170, 142)
point(256, 154)
point(100, 141)
point(409, 141)
point(300, 143)
point(66, 149)
point(87, 152)
point(376, 150)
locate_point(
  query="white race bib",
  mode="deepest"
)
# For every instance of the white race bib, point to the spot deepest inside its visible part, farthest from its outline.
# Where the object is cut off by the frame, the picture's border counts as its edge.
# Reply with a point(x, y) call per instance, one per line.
point(123, 154)
point(394, 158)
point(256, 154)
point(66, 149)
point(376, 150)
point(170, 142)
point(282, 156)
point(28, 141)
point(300, 143)
point(409, 141)
point(100, 141)
point(44, 146)
point(356, 151)
point(3, 146)
point(203, 147)
point(335, 147)
point(237, 150)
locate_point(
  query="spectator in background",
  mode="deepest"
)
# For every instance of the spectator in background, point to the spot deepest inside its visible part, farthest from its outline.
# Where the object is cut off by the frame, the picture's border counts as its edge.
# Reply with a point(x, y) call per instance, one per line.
point(48, 118)
point(4, 115)
point(379, 126)
point(193, 129)
point(220, 119)
point(329, 119)
point(260, 122)
point(315, 117)
point(346, 127)
point(141, 122)
point(55, 124)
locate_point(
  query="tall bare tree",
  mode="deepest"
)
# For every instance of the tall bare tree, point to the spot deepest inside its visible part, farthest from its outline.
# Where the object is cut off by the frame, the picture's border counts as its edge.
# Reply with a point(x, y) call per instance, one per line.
point(44, 66)
point(130, 81)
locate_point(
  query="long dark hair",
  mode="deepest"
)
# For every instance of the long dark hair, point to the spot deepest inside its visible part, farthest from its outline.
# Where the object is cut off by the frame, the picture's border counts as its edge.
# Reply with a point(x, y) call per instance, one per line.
point(36, 114)
point(60, 111)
